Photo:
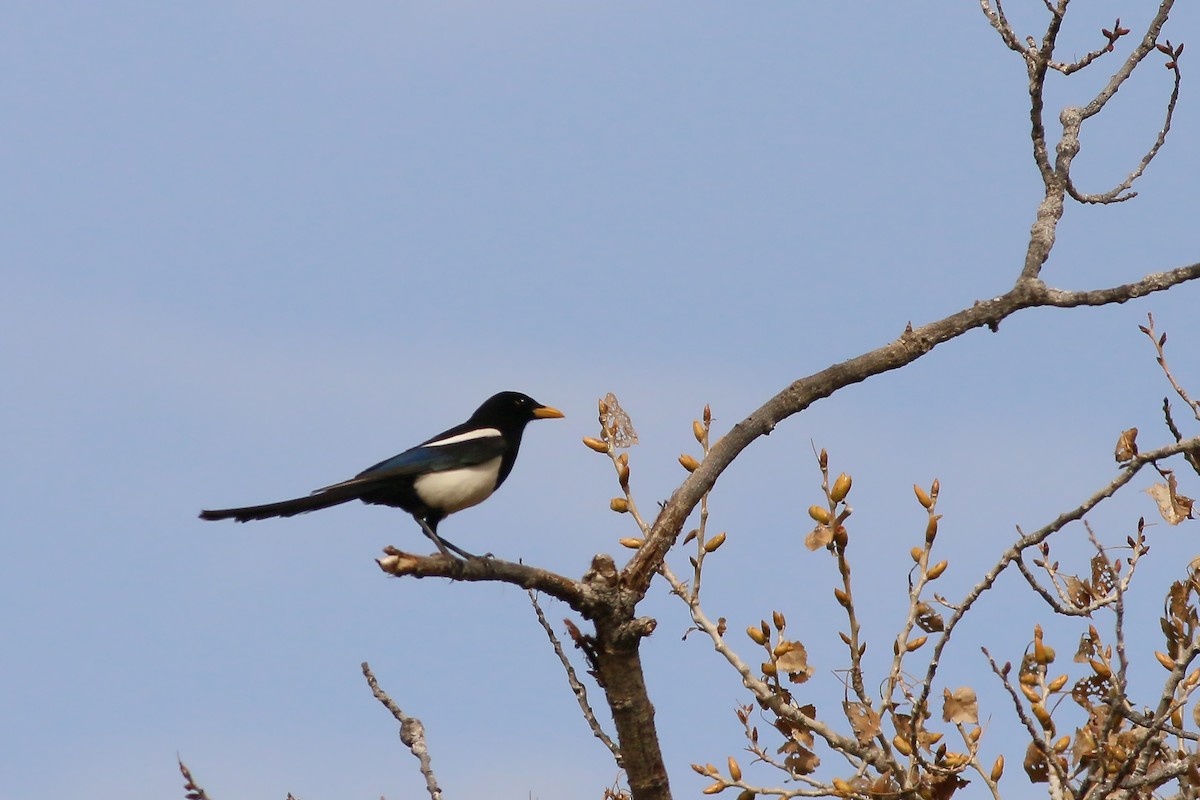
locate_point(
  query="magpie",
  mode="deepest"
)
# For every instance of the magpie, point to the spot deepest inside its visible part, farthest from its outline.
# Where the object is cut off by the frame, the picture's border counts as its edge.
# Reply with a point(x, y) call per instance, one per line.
point(458, 468)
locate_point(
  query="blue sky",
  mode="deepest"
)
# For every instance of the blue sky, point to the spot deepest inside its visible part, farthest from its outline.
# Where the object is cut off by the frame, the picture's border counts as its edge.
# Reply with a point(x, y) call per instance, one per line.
point(252, 248)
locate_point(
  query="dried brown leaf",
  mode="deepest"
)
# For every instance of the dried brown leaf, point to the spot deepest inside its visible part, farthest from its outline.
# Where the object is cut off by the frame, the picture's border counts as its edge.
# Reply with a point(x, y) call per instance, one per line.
point(960, 706)
point(802, 761)
point(1035, 764)
point(794, 662)
point(1126, 445)
point(928, 619)
point(819, 537)
point(864, 720)
point(1173, 507)
point(616, 420)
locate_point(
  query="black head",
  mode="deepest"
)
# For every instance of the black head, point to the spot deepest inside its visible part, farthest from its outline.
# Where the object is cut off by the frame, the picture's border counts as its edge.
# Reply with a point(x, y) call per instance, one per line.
point(509, 409)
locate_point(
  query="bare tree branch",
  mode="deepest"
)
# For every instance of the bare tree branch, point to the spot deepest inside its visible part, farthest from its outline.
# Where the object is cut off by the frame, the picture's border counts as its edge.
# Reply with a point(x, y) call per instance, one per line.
point(412, 733)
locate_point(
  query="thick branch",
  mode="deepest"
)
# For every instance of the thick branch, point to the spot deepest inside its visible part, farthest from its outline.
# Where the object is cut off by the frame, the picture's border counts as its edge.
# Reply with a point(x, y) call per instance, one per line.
point(804, 392)
point(574, 593)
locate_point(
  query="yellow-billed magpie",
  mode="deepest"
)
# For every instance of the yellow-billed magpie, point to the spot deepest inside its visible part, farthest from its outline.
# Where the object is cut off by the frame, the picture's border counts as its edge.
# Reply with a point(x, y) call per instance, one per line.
point(456, 469)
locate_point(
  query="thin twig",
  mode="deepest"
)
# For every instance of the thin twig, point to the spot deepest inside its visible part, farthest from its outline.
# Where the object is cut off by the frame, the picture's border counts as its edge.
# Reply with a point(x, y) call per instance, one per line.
point(193, 789)
point(412, 733)
point(576, 686)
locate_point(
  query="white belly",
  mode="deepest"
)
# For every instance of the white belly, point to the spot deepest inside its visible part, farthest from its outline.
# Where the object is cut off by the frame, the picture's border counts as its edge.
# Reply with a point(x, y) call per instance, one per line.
point(457, 489)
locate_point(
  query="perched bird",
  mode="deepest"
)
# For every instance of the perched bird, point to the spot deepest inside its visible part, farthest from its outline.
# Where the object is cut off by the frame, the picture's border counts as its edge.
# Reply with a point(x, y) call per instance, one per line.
point(456, 469)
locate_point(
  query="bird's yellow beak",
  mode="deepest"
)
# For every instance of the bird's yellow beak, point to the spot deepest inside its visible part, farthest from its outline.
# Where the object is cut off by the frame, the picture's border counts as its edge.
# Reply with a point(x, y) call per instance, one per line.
point(546, 412)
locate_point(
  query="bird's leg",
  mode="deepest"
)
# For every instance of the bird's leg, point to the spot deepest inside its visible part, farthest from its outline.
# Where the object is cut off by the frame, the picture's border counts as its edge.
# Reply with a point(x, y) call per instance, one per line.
point(441, 543)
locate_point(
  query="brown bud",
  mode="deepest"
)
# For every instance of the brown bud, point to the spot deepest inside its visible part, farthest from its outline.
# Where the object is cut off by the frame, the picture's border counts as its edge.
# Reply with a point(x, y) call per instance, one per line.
point(819, 513)
point(1062, 744)
point(916, 554)
point(595, 444)
point(841, 488)
point(623, 474)
point(931, 529)
point(1030, 693)
point(922, 498)
point(1165, 660)
point(689, 463)
point(735, 771)
point(768, 668)
point(619, 505)
point(698, 431)
point(997, 768)
point(756, 634)
point(840, 537)
point(1043, 716)
point(692, 534)
point(841, 596)
point(937, 569)
point(715, 788)
point(1057, 683)
point(916, 643)
point(715, 542)
point(778, 618)
point(631, 543)
point(902, 745)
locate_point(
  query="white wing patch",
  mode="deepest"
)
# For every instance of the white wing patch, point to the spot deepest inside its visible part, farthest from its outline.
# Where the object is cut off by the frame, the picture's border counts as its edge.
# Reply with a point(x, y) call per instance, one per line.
point(456, 489)
point(481, 433)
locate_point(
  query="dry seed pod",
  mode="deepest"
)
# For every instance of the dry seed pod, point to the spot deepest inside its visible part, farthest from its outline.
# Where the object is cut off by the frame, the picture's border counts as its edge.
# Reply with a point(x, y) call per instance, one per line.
point(841, 488)
point(715, 542)
point(689, 463)
point(819, 514)
point(619, 505)
point(631, 542)
point(595, 444)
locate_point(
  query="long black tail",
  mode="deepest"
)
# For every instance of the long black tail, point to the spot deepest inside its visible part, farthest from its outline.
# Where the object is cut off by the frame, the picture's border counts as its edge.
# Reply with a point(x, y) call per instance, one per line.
point(285, 508)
